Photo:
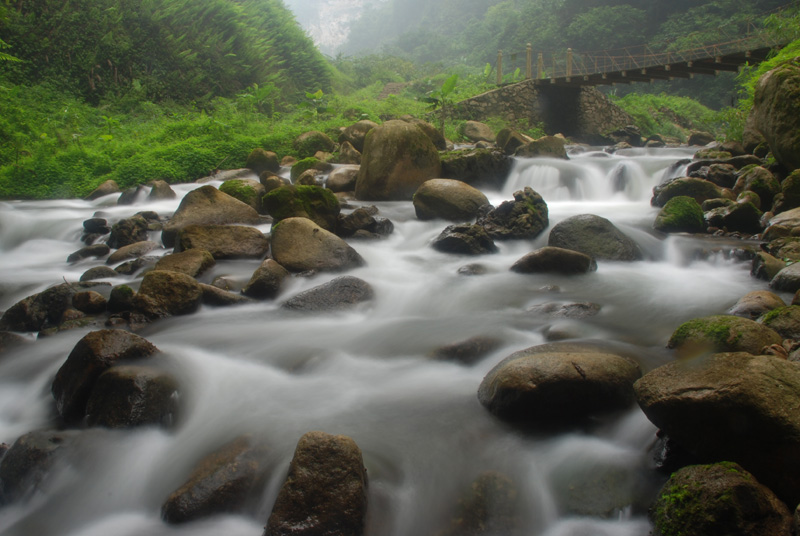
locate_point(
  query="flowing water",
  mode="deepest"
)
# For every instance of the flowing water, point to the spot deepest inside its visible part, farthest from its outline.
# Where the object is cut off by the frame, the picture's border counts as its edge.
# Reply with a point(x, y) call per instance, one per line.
point(368, 373)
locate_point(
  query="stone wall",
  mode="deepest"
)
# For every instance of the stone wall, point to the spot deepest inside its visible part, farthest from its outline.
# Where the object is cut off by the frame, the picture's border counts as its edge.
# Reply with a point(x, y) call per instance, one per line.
point(582, 113)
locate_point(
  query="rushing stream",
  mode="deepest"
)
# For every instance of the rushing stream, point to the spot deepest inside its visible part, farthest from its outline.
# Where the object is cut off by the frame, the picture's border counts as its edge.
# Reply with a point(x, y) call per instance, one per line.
point(368, 373)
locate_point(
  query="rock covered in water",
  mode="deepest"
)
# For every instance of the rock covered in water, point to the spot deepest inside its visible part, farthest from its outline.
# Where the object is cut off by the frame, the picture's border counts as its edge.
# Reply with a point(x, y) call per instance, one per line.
point(221, 482)
point(126, 396)
point(469, 351)
point(267, 281)
point(165, 293)
point(448, 199)
point(92, 355)
point(312, 202)
point(325, 492)
point(300, 245)
point(489, 506)
point(594, 236)
point(680, 214)
point(722, 333)
point(223, 241)
point(397, 158)
point(192, 262)
point(732, 407)
point(25, 466)
point(523, 218)
point(338, 294)
point(464, 239)
point(208, 206)
point(554, 260)
point(552, 386)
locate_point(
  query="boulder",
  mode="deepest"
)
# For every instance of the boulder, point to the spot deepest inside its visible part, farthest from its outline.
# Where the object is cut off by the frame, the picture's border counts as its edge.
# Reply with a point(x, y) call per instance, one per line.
point(270, 181)
point(224, 241)
point(509, 140)
point(300, 167)
point(789, 198)
point(629, 134)
point(766, 267)
point(752, 139)
point(122, 298)
point(699, 138)
point(260, 160)
point(718, 500)
point(107, 188)
point(221, 482)
point(309, 143)
point(738, 162)
point(26, 465)
point(789, 219)
point(755, 304)
point(348, 154)
point(554, 260)
point(776, 112)
point(267, 281)
point(208, 206)
point(362, 223)
point(561, 388)
point(248, 191)
point(161, 191)
point(299, 245)
point(95, 353)
point(594, 236)
point(89, 302)
point(128, 231)
point(546, 147)
point(740, 217)
point(759, 180)
point(732, 407)
point(126, 396)
point(784, 320)
point(523, 218)
point(722, 333)
point(131, 251)
point(165, 293)
point(325, 492)
point(475, 131)
point(464, 239)
point(95, 250)
point(489, 506)
point(448, 199)
point(397, 158)
point(343, 178)
point(680, 214)
point(214, 296)
point(96, 226)
point(192, 262)
point(699, 189)
point(344, 292)
point(723, 175)
point(477, 167)
point(44, 309)
point(312, 202)
point(433, 133)
point(356, 134)
point(788, 279)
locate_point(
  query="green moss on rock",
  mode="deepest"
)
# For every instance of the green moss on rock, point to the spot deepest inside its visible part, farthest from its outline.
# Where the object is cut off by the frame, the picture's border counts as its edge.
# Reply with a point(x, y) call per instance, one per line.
point(301, 166)
point(317, 204)
point(723, 333)
point(681, 214)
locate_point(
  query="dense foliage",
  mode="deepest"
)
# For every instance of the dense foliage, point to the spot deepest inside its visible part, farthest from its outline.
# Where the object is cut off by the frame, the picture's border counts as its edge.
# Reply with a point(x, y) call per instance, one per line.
point(181, 50)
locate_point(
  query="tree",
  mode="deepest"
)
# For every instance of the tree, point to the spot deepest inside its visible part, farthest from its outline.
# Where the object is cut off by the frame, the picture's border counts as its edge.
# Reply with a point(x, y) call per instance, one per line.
point(442, 98)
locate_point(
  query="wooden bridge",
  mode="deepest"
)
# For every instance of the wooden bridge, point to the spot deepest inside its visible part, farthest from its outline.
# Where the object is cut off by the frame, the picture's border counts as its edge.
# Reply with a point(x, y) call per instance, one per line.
point(646, 63)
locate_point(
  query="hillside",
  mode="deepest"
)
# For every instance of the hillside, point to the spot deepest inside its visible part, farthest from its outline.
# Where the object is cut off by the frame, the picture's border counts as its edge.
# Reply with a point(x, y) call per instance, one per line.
point(181, 50)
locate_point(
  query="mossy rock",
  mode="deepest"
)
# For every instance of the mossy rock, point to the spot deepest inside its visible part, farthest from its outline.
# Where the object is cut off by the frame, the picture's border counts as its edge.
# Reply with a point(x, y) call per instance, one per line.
point(785, 321)
point(248, 191)
point(548, 146)
point(777, 113)
point(681, 214)
point(301, 166)
point(477, 167)
point(312, 142)
point(712, 154)
point(317, 204)
point(722, 333)
point(715, 500)
point(699, 189)
point(260, 161)
point(759, 180)
point(789, 197)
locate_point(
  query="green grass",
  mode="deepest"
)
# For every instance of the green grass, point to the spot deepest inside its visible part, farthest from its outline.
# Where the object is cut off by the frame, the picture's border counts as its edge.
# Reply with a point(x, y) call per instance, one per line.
point(668, 115)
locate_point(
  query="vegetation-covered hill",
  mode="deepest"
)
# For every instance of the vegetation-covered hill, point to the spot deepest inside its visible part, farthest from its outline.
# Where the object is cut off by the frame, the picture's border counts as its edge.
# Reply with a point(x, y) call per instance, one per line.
point(181, 50)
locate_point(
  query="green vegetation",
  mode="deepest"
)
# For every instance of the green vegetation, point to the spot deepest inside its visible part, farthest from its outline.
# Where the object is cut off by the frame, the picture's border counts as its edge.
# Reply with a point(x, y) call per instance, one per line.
point(668, 115)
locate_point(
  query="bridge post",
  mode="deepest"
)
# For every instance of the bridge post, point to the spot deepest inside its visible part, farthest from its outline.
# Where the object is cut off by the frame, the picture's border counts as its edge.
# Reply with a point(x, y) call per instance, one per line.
point(540, 66)
point(499, 67)
point(529, 62)
point(569, 62)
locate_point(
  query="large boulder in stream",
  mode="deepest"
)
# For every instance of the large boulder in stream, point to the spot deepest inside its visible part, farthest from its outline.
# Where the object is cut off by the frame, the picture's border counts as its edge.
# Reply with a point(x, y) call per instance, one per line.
point(222, 482)
point(317, 204)
point(267, 281)
point(734, 407)
point(299, 245)
point(558, 386)
point(342, 293)
point(523, 218)
point(680, 214)
point(223, 241)
point(208, 206)
point(325, 492)
point(128, 231)
point(95, 353)
point(165, 293)
point(397, 158)
point(722, 333)
point(448, 199)
point(477, 167)
point(464, 239)
point(757, 303)
point(776, 112)
point(594, 236)
point(554, 260)
point(720, 499)
point(191, 262)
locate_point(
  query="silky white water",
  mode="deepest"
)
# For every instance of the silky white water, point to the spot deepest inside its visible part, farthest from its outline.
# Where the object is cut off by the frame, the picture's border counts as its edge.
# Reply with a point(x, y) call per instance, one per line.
point(367, 373)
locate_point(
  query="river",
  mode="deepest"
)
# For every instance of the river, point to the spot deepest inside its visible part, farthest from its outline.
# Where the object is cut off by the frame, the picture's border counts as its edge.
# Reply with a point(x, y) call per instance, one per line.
point(368, 373)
